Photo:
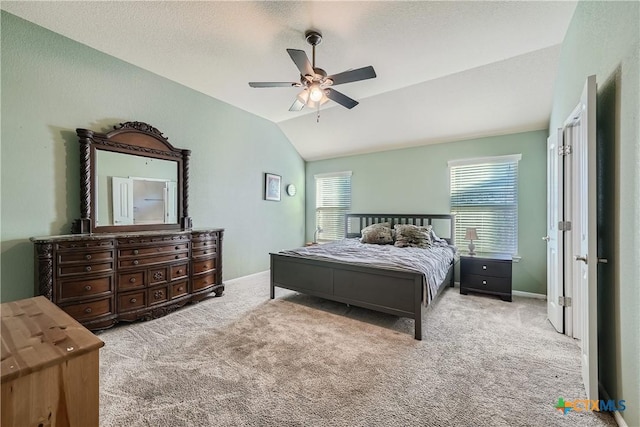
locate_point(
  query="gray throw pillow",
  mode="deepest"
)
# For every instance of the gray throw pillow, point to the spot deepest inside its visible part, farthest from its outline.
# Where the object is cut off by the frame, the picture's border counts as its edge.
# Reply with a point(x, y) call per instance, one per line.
point(379, 234)
point(416, 236)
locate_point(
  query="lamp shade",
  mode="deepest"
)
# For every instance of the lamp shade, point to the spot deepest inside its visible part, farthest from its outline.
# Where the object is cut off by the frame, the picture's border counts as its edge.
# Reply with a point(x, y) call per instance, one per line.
point(471, 234)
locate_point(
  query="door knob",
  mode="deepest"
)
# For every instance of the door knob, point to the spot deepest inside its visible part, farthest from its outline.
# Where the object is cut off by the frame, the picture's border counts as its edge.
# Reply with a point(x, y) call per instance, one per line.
point(581, 258)
point(546, 238)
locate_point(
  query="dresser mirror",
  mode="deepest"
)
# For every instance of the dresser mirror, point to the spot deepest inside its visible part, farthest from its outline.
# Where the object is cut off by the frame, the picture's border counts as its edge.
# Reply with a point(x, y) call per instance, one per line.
point(131, 179)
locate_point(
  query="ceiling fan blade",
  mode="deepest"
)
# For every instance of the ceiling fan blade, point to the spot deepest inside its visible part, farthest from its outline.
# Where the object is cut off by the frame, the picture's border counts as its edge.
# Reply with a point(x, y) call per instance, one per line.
point(297, 105)
point(363, 73)
point(302, 61)
point(341, 98)
point(274, 84)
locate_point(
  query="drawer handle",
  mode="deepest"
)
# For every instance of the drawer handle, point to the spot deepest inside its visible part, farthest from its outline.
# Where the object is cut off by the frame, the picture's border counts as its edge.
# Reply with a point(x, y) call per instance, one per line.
point(132, 280)
point(177, 256)
point(87, 310)
point(158, 294)
point(135, 252)
point(205, 267)
point(157, 275)
point(484, 267)
point(87, 268)
point(180, 271)
point(133, 300)
point(484, 282)
point(87, 288)
point(136, 262)
point(180, 289)
point(177, 247)
point(87, 257)
point(205, 252)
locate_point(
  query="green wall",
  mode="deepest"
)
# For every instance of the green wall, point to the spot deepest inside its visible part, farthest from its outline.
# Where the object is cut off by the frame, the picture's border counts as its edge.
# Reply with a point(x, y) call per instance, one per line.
point(604, 39)
point(416, 180)
point(52, 85)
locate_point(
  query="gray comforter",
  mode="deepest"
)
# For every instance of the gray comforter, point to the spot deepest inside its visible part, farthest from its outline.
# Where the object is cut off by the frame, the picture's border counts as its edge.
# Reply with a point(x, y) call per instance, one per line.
point(432, 262)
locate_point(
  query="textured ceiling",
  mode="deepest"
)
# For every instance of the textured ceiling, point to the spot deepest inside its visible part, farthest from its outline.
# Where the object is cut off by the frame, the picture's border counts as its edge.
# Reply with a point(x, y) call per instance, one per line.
point(446, 70)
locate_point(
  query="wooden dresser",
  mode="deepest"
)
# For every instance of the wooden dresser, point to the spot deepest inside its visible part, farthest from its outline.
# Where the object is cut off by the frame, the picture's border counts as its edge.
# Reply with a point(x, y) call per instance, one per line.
point(50, 367)
point(104, 278)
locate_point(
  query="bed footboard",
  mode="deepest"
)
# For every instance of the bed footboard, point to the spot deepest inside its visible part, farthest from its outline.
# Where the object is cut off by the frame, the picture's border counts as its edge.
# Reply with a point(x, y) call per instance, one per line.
point(394, 292)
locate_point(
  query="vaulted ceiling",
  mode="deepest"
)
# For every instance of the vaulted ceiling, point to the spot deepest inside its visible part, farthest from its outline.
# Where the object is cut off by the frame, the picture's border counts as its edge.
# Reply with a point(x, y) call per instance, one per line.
point(445, 70)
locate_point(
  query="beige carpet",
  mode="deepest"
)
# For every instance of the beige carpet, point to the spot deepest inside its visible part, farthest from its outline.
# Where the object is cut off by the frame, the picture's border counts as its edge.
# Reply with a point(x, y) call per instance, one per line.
point(244, 360)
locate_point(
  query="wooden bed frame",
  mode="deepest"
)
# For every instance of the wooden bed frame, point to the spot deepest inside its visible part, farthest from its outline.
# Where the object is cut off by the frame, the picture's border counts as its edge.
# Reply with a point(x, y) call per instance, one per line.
point(389, 291)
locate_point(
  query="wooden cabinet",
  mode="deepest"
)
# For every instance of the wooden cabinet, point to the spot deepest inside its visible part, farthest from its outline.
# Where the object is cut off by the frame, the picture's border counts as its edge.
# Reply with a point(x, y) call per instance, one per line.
point(486, 273)
point(50, 367)
point(102, 279)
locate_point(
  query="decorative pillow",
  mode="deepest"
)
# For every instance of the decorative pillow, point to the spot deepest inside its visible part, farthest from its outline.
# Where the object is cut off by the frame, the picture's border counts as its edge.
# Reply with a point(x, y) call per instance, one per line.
point(408, 235)
point(377, 233)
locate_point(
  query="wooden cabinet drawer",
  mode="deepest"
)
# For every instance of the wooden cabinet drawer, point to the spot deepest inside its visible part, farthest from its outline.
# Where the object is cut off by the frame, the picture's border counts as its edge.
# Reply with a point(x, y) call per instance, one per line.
point(131, 301)
point(179, 289)
point(85, 268)
point(487, 283)
point(203, 281)
point(89, 309)
point(151, 250)
point(70, 289)
point(131, 280)
point(158, 275)
point(206, 244)
point(179, 271)
point(197, 253)
point(204, 265)
point(84, 256)
point(136, 262)
point(487, 267)
point(157, 295)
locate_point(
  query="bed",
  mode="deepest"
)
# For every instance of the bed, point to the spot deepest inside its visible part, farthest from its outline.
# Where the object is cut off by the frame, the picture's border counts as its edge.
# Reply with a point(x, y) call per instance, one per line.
point(398, 290)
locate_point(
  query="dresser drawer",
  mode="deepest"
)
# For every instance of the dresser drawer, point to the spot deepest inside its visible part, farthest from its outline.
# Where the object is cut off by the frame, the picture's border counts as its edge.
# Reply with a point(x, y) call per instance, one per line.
point(84, 256)
point(158, 275)
point(90, 309)
point(487, 283)
point(204, 265)
point(206, 244)
point(151, 250)
point(487, 267)
point(131, 280)
point(198, 253)
point(179, 271)
point(85, 268)
point(179, 289)
point(201, 282)
point(70, 289)
point(137, 262)
point(157, 295)
point(132, 301)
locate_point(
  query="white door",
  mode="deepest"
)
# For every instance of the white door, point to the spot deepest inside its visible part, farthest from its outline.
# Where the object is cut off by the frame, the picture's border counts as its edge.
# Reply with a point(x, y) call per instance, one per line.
point(554, 237)
point(584, 235)
point(122, 189)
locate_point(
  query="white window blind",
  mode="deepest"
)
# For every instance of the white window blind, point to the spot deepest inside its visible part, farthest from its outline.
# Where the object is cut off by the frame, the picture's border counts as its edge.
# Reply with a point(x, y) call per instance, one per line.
point(484, 195)
point(333, 201)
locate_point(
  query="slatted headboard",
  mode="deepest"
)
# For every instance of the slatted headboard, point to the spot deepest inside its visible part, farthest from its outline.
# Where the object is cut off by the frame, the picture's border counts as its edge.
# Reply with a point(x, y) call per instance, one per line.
point(443, 224)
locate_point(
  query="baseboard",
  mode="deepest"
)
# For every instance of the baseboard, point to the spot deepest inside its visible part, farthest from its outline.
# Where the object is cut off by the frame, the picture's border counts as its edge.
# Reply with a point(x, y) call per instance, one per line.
point(616, 414)
point(529, 295)
point(245, 277)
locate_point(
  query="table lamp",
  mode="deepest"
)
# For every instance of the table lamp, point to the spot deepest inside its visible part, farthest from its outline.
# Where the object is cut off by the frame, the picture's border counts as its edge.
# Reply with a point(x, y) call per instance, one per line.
point(471, 234)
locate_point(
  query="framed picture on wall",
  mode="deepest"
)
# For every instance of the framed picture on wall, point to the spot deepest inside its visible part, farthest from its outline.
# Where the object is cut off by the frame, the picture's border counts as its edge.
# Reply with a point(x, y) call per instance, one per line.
point(272, 187)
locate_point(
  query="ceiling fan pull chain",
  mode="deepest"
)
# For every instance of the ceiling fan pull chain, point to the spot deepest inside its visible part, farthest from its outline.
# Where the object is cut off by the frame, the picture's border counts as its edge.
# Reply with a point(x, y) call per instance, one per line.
point(318, 116)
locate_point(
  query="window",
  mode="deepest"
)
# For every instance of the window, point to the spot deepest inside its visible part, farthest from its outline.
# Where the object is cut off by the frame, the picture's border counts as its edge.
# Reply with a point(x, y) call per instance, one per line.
point(484, 195)
point(333, 201)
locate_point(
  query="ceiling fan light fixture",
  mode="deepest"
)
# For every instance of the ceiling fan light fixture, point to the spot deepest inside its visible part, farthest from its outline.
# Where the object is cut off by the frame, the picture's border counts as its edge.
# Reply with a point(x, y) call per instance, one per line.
point(315, 92)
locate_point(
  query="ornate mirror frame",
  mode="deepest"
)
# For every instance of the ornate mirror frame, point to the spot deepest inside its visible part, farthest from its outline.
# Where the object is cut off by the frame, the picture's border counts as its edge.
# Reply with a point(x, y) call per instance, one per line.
point(138, 139)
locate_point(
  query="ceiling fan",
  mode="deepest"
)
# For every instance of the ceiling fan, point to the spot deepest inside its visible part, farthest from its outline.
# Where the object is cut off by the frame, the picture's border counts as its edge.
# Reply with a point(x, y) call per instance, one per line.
point(317, 85)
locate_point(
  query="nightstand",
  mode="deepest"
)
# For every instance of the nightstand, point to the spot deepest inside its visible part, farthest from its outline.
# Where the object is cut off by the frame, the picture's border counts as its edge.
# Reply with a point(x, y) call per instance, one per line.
point(486, 273)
